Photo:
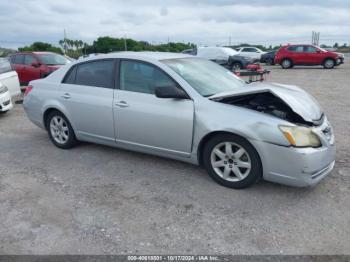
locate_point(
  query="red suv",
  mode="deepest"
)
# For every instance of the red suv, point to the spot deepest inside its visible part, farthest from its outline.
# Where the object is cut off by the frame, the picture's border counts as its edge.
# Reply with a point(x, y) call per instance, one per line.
point(34, 65)
point(290, 55)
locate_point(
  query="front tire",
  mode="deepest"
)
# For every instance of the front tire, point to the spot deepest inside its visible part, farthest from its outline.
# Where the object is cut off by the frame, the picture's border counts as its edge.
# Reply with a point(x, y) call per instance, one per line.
point(60, 130)
point(232, 161)
point(329, 63)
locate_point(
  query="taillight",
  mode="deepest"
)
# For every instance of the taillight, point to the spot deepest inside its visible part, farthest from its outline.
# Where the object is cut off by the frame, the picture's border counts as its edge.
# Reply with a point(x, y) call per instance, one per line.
point(28, 89)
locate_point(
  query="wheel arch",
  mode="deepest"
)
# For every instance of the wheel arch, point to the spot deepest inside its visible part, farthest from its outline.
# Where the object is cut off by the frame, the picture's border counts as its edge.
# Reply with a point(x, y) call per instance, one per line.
point(286, 58)
point(50, 109)
point(328, 57)
point(207, 137)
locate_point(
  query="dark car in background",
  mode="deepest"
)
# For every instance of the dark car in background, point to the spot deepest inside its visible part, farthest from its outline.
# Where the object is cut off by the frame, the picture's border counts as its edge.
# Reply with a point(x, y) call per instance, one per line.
point(307, 55)
point(35, 65)
point(224, 56)
point(268, 58)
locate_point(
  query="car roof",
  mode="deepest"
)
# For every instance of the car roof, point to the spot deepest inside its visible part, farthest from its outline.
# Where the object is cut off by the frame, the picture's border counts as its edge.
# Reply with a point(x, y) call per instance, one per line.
point(139, 55)
point(298, 44)
point(34, 52)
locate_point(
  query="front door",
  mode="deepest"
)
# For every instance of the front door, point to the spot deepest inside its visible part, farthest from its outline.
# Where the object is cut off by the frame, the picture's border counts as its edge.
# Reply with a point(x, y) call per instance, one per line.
point(31, 69)
point(312, 57)
point(145, 121)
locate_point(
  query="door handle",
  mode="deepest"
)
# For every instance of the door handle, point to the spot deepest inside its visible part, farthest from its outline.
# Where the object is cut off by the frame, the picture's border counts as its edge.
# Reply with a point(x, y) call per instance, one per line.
point(122, 104)
point(66, 96)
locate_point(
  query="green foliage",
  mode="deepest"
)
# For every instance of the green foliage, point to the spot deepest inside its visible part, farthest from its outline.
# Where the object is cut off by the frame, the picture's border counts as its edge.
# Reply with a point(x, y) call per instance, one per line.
point(41, 46)
point(108, 44)
point(73, 48)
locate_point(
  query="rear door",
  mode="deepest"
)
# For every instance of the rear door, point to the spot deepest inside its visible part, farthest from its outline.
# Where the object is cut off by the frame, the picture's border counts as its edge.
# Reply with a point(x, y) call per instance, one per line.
point(297, 54)
point(144, 121)
point(87, 95)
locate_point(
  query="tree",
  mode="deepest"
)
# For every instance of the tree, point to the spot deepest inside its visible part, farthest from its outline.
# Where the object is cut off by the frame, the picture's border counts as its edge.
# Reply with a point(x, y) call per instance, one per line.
point(41, 46)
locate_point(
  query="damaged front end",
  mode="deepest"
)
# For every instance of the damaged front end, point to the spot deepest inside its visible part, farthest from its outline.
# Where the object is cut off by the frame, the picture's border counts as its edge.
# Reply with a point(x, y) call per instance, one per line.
point(286, 102)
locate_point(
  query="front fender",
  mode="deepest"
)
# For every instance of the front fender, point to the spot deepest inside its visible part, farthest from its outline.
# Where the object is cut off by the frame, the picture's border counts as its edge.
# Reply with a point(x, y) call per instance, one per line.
point(212, 117)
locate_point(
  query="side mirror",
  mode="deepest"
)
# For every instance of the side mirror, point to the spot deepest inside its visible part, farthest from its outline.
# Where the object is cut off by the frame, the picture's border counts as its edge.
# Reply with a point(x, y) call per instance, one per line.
point(36, 64)
point(318, 51)
point(170, 92)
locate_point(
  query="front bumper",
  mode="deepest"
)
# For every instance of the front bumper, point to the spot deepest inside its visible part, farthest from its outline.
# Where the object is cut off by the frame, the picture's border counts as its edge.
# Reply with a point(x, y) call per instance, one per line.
point(299, 167)
point(5, 102)
point(339, 60)
point(292, 166)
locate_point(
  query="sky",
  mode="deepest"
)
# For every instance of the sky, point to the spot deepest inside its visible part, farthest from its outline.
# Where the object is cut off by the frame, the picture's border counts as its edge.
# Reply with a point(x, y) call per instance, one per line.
point(203, 22)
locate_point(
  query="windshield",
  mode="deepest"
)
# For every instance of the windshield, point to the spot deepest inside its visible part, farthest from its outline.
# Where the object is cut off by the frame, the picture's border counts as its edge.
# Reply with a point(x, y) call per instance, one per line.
point(206, 77)
point(53, 59)
point(323, 50)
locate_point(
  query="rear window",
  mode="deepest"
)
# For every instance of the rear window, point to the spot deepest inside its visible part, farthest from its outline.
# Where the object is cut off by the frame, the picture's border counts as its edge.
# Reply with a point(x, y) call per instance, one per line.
point(18, 59)
point(70, 76)
point(5, 66)
point(249, 49)
point(97, 73)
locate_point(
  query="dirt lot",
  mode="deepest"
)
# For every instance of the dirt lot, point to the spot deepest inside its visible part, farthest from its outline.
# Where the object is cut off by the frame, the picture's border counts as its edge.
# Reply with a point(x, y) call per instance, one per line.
point(99, 200)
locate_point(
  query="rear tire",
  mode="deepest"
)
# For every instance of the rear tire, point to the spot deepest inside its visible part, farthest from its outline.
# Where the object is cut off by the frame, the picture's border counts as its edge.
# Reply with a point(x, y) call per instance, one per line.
point(286, 63)
point(232, 161)
point(60, 130)
point(236, 66)
point(328, 63)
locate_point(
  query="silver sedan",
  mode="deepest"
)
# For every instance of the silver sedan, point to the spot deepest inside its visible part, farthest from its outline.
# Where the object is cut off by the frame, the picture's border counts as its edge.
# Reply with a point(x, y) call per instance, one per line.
point(189, 109)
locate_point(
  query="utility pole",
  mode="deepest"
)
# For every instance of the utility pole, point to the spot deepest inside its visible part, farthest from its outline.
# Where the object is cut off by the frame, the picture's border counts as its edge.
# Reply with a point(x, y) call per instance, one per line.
point(64, 41)
point(125, 45)
point(229, 41)
point(315, 38)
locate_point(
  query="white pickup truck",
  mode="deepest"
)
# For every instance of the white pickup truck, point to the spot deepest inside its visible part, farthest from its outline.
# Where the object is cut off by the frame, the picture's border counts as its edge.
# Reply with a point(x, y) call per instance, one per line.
point(9, 85)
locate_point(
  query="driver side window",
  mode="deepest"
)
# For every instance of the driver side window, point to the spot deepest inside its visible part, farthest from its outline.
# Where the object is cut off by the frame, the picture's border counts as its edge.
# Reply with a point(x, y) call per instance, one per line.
point(29, 60)
point(142, 77)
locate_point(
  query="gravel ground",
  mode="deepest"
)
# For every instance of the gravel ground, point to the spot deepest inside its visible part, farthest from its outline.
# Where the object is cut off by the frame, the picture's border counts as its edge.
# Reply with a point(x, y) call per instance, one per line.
point(99, 200)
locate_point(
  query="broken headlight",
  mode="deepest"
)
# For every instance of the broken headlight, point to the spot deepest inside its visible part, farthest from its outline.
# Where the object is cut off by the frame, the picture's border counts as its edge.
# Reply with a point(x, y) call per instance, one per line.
point(300, 136)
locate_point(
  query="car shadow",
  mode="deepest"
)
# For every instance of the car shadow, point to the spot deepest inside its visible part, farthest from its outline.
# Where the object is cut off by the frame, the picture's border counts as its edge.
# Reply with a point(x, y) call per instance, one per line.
point(194, 172)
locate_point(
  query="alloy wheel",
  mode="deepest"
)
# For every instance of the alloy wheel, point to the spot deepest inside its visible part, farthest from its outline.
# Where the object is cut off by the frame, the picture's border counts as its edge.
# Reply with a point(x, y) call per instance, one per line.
point(59, 130)
point(230, 161)
point(286, 63)
point(329, 63)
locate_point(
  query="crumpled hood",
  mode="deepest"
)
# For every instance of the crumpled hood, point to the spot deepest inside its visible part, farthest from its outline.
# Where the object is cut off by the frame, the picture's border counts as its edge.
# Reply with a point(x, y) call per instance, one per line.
point(299, 101)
